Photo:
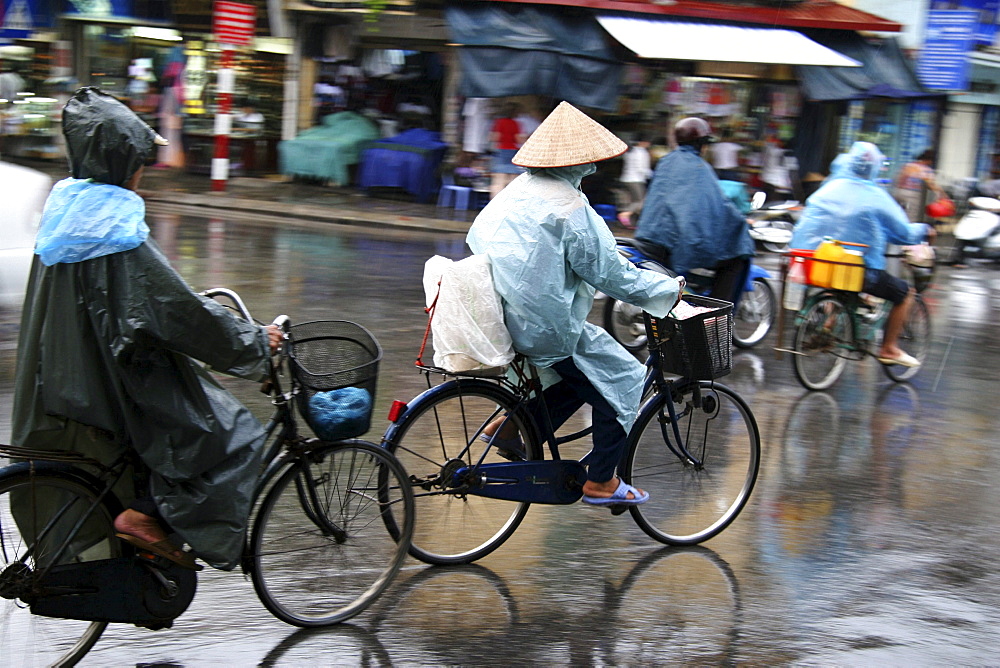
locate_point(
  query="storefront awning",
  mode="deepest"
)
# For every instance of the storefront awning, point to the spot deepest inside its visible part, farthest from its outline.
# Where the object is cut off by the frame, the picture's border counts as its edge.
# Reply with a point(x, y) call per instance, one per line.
point(885, 71)
point(677, 40)
point(528, 50)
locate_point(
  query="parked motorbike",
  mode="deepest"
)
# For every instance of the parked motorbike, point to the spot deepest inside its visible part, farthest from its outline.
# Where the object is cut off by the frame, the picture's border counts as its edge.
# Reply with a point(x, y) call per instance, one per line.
point(977, 233)
point(771, 224)
point(752, 318)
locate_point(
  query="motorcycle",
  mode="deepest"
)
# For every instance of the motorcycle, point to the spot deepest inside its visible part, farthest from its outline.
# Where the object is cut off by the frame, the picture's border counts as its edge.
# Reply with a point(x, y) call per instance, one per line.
point(771, 224)
point(752, 318)
point(977, 233)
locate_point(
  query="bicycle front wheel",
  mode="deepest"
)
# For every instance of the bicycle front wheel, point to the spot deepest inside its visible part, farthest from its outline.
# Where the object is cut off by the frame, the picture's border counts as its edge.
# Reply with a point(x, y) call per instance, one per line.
point(319, 548)
point(821, 344)
point(915, 339)
point(37, 512)
point(693, 499)
point(441, 434)
point(753, 318)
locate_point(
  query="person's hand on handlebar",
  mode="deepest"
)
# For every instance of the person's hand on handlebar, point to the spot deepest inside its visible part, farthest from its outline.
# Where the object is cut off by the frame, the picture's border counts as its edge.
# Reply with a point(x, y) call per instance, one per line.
point(931, 233)
point(681, 283)
point(274, 337)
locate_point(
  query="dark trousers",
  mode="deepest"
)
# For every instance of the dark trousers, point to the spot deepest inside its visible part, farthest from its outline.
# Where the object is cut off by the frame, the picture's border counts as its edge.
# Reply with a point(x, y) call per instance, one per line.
point(565, 398)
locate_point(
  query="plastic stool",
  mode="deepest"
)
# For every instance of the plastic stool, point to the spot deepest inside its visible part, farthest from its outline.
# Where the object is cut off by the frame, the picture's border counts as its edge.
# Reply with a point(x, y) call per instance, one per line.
point(460, 193)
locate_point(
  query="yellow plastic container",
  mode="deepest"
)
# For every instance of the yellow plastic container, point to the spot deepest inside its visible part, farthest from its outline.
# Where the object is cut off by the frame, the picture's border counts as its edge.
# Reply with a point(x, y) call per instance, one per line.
point(837, 267)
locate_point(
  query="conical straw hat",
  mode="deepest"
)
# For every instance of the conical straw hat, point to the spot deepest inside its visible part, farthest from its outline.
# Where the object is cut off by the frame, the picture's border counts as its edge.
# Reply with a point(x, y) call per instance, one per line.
point(568, 137)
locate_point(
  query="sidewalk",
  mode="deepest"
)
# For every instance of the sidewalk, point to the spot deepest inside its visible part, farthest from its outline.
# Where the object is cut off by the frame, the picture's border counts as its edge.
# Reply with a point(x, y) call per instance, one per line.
point(274, 195)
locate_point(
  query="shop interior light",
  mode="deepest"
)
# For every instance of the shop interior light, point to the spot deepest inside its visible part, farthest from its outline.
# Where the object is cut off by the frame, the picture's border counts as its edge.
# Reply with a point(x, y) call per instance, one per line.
point(163, 34)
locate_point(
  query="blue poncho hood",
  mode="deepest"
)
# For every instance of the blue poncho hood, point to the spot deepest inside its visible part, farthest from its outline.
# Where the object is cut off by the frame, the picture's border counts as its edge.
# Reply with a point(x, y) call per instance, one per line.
point(83, 219)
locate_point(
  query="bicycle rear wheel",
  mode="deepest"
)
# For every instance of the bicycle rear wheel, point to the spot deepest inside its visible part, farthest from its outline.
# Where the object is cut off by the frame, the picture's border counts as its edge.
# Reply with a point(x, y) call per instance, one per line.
point(29, 503)
point(320, 551)
point(821, 342)
point(915, 339)
point(692, 501)
point(443, 430)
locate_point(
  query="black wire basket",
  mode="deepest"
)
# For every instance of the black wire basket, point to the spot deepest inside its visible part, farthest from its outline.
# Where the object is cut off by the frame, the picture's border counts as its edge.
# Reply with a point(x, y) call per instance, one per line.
point(699, 347)
point(335, 365)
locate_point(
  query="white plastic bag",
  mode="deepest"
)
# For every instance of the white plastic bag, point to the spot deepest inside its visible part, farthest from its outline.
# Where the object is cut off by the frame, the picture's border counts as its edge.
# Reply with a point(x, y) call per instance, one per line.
point(467, 325)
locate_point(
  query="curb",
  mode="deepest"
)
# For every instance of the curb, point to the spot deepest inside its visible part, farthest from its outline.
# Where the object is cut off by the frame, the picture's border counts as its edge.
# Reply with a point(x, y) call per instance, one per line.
point(312, 212)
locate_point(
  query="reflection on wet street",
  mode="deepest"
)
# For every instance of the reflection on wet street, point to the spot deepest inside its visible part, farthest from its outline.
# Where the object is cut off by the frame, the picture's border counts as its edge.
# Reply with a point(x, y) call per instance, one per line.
point(870, 538)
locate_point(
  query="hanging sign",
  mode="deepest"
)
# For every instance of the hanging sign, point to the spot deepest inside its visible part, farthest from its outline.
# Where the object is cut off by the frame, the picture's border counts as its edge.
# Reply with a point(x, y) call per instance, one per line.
point(234, 23)
point(944, 60)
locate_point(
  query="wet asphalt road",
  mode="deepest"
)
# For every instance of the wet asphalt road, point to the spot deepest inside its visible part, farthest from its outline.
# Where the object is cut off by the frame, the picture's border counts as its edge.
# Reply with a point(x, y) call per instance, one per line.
point(871, 537)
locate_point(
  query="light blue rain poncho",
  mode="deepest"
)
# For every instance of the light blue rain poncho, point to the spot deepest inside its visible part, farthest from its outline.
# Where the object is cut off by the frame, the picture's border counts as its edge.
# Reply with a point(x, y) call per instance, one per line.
point(549, 251)
point(850, 206)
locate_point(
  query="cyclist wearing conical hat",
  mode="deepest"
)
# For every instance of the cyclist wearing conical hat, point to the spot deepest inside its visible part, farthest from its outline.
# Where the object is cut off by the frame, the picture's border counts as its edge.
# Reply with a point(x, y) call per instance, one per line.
point(108, 333)
point(549, 251)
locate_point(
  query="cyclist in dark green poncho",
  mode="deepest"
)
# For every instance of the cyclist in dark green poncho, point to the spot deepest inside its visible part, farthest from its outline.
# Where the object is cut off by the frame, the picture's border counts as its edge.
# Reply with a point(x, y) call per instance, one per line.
point(108, 339)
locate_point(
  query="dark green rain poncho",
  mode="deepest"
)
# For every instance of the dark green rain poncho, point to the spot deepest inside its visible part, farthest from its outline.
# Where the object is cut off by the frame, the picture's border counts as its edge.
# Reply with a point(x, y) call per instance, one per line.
point(109, 335)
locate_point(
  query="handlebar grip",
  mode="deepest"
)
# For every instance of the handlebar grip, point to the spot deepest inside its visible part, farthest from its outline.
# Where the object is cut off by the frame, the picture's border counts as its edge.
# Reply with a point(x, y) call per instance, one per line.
point(283, 322)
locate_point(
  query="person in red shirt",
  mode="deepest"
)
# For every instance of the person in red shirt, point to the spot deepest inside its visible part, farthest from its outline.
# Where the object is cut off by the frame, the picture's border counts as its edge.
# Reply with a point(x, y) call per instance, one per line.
point(505, 138)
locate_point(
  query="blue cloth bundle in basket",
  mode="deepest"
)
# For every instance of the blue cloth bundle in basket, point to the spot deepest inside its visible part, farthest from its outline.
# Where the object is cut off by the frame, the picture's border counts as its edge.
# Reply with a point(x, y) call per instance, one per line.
point(339, 414)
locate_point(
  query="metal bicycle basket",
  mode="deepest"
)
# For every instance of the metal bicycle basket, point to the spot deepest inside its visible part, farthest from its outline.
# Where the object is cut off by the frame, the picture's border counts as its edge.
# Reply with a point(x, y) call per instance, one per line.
point(697, 347)
point(334, 364)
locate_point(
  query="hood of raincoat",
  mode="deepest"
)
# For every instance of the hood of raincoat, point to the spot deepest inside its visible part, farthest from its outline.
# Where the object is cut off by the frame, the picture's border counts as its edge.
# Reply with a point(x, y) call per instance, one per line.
point(549, 251)
point(863, 161)
point(850, 206)
point(83, 220)
point(105, 140)
point(686, 212)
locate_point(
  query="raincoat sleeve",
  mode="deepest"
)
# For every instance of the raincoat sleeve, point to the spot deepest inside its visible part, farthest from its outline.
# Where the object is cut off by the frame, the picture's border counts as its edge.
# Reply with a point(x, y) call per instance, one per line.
point(166, 311)
point(591, 253)
point(897, 226)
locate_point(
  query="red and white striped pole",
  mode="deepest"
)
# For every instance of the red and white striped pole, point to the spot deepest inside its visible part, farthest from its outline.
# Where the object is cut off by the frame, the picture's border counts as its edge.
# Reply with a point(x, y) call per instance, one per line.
point(223, 119)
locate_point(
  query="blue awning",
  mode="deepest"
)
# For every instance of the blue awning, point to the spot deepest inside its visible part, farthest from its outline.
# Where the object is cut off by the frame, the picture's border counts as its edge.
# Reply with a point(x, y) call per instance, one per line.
point(885, 71)
point(532, 50)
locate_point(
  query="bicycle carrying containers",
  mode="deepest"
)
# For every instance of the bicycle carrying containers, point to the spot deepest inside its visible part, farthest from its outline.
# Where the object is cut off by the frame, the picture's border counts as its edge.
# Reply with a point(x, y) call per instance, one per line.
point(335, 365)
point(834, 266)
point(697, 347)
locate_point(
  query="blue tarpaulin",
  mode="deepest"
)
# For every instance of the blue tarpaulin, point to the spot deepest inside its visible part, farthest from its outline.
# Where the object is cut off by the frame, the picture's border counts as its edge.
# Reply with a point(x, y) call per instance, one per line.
point(410, 161)
point(531, 50)
point(885, 71)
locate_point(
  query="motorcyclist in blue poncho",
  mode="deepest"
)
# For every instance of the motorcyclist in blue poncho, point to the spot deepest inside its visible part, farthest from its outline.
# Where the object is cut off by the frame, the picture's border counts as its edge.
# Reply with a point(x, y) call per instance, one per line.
point(108, 333)
point(688, 222)
point(851, 207)
point(549, 250)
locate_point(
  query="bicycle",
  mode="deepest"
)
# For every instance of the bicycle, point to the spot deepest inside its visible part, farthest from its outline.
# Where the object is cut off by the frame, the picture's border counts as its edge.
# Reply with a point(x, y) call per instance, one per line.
point(834, 326)
point(694, 447)
point(317, 552)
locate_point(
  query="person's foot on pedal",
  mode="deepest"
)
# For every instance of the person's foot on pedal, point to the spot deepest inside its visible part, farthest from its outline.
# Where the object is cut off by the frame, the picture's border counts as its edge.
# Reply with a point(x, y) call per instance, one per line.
point(508, 448)
point(613, 492)
point(899, 358)
point(146, 533)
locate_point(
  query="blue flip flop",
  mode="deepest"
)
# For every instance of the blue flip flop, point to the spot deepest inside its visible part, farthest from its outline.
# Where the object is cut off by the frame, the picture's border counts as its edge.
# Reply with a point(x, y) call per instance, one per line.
point(620, 496)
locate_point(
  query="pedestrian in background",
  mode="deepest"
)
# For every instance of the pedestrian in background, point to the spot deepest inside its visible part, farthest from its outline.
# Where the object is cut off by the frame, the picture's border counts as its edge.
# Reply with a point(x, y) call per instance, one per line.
point(505, 138)
point(636, 170)
point(726, 157)
point(913, 182)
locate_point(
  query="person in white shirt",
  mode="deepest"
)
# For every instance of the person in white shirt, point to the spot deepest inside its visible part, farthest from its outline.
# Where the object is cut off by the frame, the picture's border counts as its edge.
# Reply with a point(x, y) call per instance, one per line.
point(726, 158)
point(636, 170)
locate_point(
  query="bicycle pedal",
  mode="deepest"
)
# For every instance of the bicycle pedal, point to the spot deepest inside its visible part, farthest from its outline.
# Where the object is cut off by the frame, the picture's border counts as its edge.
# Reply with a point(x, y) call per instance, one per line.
point(618, 508)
